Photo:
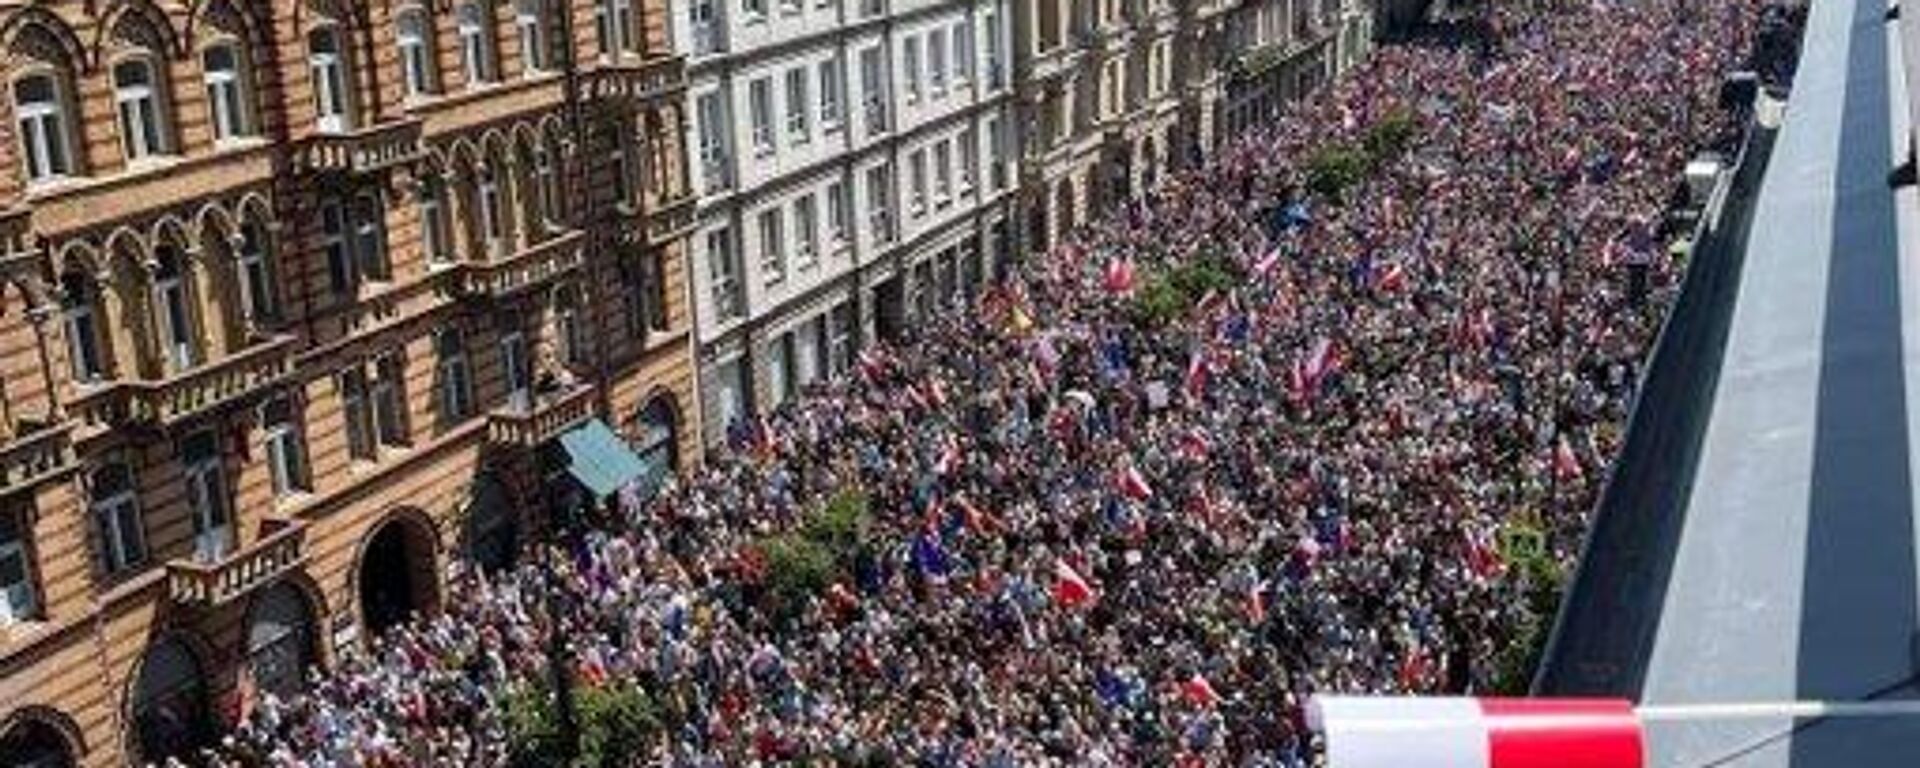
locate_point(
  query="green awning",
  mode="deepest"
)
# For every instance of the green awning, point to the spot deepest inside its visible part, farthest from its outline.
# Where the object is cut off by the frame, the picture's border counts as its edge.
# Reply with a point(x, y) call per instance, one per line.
point(599, 459)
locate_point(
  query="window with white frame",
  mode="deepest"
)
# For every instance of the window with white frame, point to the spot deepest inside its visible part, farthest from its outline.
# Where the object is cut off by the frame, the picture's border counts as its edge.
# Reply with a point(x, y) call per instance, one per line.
point(223, 72)
point(19, 601)
point(710, 112)
point(917, 182)
point(969, 158)
point(613, 27)
point(910, 67)
point(173, 310)
point(327, 60)
point(415, 37)
point(798, 101)
point(753, 10)
point(40, 115)
point(873, 90)
point(937, 61)
point(837, 221)
point(285, 446)
point(962, 34)
point(806, 228)
point(342, 273)
point(995, 142)
point(722, 274)
point(456, 385)
point(390, 399)
point(513, 366)
point(493, 216)
point(357, 411)
point(942, 173)
point(760, 113)
point(476, 43)
point(773, 258)
point(529, 18)
point(113, 498)
point(78, 295)
point(830, 94)
point(780, 368)
point(136, 95)
point(370, 235)
point(208, 503)
point(880, 204)
point(258, 299)
point(435, 232)
point(840, 344)
point(706, 27)
point(546, 181)
point(996, 73)
point(572, 336)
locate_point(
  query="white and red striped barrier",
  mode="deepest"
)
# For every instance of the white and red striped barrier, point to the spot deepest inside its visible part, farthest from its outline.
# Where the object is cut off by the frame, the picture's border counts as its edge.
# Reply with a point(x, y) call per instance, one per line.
point(1378, 732)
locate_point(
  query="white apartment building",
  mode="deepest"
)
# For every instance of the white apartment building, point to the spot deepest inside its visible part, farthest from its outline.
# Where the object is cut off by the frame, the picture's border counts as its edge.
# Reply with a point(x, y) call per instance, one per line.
point(855, 164)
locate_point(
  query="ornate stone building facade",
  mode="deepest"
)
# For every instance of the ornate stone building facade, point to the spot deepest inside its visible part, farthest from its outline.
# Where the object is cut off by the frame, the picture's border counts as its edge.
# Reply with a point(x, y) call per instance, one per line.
point(296, 298)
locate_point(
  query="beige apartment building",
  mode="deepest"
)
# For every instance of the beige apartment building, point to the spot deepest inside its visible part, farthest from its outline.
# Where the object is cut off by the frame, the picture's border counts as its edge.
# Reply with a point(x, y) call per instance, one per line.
point(306, 305)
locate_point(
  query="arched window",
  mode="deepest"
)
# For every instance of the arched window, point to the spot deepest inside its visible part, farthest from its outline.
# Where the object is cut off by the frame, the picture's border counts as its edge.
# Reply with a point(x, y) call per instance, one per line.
point(79, 314)
point(174, 312)
point(476, 43)
point(113, 499)
point(327, 60)
point(431, 196)
point(39, 107)
point(531, 21)
point(257, 296)
point(547, 179)
point(416, 52)
point(136, 94)
point(33, 743)
point(223, 66)
point(169, 703)
point(493, 225)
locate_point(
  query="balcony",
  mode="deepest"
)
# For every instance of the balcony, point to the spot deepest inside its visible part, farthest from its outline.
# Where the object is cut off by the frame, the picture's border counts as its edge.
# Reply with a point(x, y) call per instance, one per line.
point(29, 459)
point(176, 398)
point(365, 150)
point(16, 230)
point(281, 548)
point(531, 424)
point(532, 266)
point(670, 219)
point(645, 80)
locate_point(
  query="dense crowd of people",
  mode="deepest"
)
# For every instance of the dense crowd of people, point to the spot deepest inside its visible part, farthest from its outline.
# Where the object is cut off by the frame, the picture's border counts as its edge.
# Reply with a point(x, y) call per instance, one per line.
point(1107, 540)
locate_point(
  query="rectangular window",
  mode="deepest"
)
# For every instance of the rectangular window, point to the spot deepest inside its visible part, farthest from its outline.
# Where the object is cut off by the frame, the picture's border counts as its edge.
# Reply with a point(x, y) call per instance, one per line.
point(837, 212)
point(942, 173)
point(706, 28)
point(754, 9)
point(390, 400)
point(996, 73)
point(434, 234)
point(830, 94)
point(995, 140)
point(513, 365)
point(713, 143)
point(937, 61)
point(40, 113)
point(917, 182)
point(880, 204)
point(840, 346)
point(809, 348)
point(773, 260)
point(533, 35)
point(226, 98)
point(797, 103)
point(18, 600)
point(117, 519)
point(286, 447)
point(873, 91)
point(342, 273)
point(476, 45)
point(805, 229)
point(910, 67)
point(780, 368)
point(207, 502)
point(760, 111)
point(969, 159)
point(358, 412)
point(370, 235)
point(962, 52)
point(493, 221)
point(723, 278)
point(456, 386)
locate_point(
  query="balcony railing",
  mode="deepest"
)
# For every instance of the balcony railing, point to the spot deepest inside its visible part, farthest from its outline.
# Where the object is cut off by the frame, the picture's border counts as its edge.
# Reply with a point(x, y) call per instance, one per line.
point(529, 425)
point(178, 397)
point(644, 80)
point(30, 458)
point(364, 150)
point(670, 219)
point(213, 584)
point(533, 266)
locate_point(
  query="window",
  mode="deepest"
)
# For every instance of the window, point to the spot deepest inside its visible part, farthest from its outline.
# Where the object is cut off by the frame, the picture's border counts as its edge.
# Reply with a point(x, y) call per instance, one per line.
point(431, 196)
point(706, 28)
point(172, 308)
point(879, 204)
point(760, 110)
point(837, 212)
point(994, 142)
point(416, 52)
point(917, 182)
point(573, 340)
point(456, 386)
point(840, 346)
point(797, 102)
point(937, 61)
point(390, 400)
point(962, 52)
point(830, 94)
point(871, 91)
point(476, 44)
point(547, 181)
point(780, 368)
point(493, 223)
point(996, 75)
point(17, 599)
point(257, 296)
point(226, 91)
point(773, 261)
point(513, 366)
point(808, 346)
point(910, 67)
point(358, 412)
point(622, 165)
point(207, 502)
point(722, 275)
point(713, 143)
point(326, 58)
point(42, 119)
point(370, 235)
point(112, 498)
point(82, 327)
point(805, 228)
point(613, 26)
point(137, 97)
point(342, 275)
point(790, 6)
point(653, 278)
point(285, 447)
point(754, 9)
point(531, 22)
point(969, 159)
point(942, 173)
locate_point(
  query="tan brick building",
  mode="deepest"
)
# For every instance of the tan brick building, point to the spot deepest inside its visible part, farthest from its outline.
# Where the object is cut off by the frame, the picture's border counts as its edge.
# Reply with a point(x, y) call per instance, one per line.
point(296, 297)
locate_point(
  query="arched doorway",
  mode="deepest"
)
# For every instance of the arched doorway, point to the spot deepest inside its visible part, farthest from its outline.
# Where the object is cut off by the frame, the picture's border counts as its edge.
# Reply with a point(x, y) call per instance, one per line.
point(1063, 209)
point(169, 703)
point(492, 533)
point(34, 743)
point(280, 640)
point(397, 575)
point(659, 443)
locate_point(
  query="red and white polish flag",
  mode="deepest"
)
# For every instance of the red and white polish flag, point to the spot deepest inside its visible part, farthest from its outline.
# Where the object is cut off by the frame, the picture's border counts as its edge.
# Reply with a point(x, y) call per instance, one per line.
point(1375, 732)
